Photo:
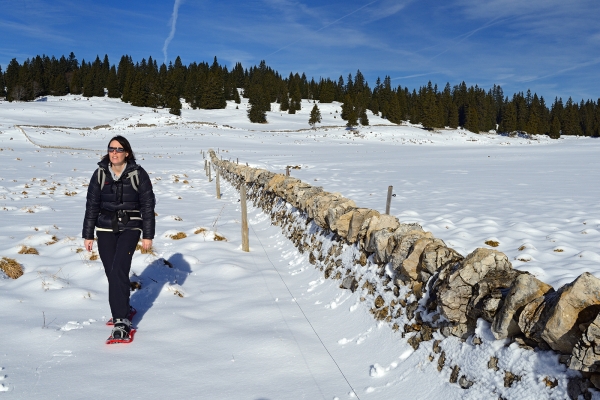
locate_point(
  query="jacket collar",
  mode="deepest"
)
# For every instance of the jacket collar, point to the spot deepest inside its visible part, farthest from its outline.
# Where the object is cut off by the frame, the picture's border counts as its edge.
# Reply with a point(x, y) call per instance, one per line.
point(131, 165)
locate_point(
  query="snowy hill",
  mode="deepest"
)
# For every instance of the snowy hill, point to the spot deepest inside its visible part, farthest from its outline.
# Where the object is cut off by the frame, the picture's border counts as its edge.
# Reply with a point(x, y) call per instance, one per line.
point(221, 323)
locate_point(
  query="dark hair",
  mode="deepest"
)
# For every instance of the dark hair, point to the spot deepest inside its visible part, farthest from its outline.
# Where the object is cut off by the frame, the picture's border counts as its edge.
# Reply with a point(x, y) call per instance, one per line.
point(125, 143)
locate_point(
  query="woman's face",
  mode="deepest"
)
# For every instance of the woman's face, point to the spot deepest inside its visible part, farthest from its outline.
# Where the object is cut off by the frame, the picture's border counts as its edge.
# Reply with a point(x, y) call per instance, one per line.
point(115, 157)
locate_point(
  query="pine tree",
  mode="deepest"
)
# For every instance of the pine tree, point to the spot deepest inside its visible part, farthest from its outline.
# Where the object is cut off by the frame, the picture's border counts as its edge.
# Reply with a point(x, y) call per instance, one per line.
point(236, 96)
point(2, 84)
point(315, 116)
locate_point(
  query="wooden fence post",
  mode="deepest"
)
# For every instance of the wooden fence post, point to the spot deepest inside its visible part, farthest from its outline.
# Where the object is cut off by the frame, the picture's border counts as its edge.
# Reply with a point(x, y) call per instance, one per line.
point(205, 166)
point(209, 174)
point(389, 199)
point(245, 240)
point(287, 171)
point(218, 185)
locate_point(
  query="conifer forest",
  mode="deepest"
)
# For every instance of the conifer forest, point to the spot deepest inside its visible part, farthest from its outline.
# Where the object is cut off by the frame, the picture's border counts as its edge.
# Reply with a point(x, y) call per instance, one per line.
point(202, 85)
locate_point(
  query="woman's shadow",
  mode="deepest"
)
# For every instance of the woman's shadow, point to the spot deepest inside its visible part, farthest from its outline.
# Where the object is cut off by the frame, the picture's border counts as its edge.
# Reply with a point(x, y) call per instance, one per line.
point(173, 271)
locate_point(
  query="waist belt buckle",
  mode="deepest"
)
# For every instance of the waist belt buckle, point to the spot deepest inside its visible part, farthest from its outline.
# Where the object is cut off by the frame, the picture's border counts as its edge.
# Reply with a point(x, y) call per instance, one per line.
point(123, 217)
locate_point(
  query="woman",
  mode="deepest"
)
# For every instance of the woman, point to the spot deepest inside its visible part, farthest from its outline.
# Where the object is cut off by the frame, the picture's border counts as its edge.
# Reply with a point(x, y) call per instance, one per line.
point(120, 206)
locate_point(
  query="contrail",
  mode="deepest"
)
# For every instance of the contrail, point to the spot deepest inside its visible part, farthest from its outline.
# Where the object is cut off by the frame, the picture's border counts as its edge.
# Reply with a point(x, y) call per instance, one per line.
point(173, 26)
point(326, 26)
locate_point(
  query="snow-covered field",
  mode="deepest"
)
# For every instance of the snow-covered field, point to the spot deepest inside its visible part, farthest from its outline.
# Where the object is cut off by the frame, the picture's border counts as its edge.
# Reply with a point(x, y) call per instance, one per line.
point(225, 324)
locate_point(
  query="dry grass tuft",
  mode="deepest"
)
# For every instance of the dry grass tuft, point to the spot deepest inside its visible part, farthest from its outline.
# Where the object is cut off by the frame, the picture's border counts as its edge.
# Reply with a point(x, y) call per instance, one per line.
point(28, 250)
point(492, 243)
point(54, 240)
point(558, 250)
point(200, 230)
point(178, 235)
point(11, 267)
point(79, 250)
point(94, 256)
point(522, 248)
point(219, 238)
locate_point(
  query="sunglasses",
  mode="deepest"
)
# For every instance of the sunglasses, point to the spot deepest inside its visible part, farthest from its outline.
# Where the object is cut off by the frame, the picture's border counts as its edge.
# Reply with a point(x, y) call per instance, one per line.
point(117, 149)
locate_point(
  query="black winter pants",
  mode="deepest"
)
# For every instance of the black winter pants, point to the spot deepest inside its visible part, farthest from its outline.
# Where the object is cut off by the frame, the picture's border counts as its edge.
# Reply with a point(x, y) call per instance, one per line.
point(116, 251)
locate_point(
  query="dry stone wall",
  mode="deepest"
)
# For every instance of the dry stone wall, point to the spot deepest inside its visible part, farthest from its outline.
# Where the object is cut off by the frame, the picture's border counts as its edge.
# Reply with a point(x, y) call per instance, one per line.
point(416, 282)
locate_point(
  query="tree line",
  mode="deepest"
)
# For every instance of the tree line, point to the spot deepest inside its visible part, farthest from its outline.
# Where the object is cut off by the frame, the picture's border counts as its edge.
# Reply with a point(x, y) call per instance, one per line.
point(145, 83)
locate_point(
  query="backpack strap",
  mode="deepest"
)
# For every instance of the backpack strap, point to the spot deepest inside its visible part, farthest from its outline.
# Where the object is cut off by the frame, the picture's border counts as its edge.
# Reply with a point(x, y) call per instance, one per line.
point(135, 179)
point(101, 177)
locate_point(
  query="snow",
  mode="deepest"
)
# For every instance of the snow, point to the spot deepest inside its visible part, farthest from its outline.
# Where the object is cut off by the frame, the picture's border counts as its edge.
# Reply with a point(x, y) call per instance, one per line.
point(222, 323)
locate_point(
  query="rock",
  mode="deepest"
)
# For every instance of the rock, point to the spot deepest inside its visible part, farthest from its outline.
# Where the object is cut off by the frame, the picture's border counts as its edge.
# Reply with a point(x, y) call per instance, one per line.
point(359, 217)
point(415, 341)
point(436, 256)
point(529, 318)
point(510, 378)
point(493, 363)
point(337, 208)
point(404, 244)
point(487, 293)
point(380, 222)
point(586, 353)
point(382, 245)
point(524, 289)
point(461, 292)
point(454, 374)
point(350, 283)
point(441, 361)
point(575, 303)
point(576, 387)
point(379, 302)
point(409, 265)
point(464, 383)
point(342, 224)
point(595, 379)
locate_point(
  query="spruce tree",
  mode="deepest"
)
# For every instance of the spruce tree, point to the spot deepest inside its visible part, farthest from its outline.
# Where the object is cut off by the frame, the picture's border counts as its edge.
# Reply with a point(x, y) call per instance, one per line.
point(472, 122)
point(285, 102)
point(554, 128)
point(2, 84)
point(352, 119)
point(174, 105)
point(452, 116)
point(236, 96)
point(315, 116)
point(509, 118)
point(112, 84)
point(259, 104)
point(363, 119)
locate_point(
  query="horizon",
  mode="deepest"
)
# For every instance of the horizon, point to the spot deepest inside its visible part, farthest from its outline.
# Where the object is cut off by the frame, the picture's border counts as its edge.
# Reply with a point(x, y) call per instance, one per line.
point(544, 46)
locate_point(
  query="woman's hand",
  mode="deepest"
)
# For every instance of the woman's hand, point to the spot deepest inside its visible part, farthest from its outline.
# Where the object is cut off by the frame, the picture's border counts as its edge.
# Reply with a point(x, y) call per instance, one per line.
point(88, 244)
point(146, 244)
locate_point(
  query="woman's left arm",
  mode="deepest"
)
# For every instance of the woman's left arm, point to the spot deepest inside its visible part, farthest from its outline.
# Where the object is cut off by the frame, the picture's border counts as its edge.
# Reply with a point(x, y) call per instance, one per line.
point(147, 203)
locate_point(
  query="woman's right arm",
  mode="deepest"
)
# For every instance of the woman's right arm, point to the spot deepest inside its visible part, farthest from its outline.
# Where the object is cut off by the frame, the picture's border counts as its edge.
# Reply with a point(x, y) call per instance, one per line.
point(92, 209)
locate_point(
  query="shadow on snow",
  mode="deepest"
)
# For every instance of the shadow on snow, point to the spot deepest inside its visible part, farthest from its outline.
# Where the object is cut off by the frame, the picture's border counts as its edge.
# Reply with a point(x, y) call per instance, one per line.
point(173, 271)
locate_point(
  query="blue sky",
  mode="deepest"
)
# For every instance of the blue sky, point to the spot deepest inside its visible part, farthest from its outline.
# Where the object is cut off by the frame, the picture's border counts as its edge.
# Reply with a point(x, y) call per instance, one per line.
point(551, 47)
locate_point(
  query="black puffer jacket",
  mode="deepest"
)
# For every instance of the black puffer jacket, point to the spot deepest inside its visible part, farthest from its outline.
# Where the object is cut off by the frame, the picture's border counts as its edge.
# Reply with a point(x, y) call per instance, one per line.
point(119, 195)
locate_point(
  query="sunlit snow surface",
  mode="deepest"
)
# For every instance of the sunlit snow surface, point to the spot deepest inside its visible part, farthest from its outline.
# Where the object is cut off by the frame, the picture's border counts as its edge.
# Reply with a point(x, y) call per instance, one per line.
point(237, 332)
